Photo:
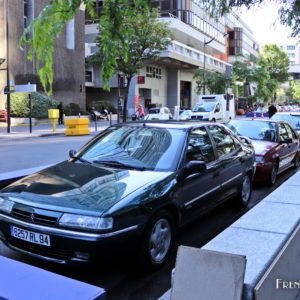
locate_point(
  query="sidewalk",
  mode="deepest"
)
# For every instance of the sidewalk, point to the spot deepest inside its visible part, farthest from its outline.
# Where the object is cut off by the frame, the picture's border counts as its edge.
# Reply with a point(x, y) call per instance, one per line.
point(22, 130)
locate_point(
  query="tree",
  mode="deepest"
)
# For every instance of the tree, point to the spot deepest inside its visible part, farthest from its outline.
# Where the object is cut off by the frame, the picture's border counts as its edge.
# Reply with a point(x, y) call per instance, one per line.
point(276, 62)
point(215, 81)
point(297, 91)
point(144, 37)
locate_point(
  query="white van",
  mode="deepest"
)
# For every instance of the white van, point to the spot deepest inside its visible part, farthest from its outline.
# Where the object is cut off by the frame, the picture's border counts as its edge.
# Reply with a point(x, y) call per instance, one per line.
point(213, 108)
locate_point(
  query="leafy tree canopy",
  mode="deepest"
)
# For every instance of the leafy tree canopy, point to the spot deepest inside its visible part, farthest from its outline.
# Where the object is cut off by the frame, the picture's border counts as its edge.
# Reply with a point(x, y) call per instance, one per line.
point(275, 61)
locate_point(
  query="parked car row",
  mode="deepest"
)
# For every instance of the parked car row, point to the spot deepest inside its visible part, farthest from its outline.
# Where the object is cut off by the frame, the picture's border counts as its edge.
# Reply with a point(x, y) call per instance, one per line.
point(134, 185)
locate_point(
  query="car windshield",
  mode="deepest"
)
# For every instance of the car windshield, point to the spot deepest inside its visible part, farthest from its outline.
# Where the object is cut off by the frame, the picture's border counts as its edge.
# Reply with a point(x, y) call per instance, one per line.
point(255, 130)
point(294, 120)
point(136, 147)
point(204, 107)
point(154, 111)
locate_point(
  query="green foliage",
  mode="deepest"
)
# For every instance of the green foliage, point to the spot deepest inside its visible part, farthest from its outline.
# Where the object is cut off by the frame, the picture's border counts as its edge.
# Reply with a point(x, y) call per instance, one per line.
point(72, 109)
point(103, 103)
point(19, 105)
point(39, 105)
point(297, 90)
point(215, 82)
point(275, 61)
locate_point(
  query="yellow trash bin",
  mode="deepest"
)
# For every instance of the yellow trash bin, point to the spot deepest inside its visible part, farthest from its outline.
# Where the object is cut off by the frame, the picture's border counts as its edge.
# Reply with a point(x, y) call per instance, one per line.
point(78, 126)
point(53, 114)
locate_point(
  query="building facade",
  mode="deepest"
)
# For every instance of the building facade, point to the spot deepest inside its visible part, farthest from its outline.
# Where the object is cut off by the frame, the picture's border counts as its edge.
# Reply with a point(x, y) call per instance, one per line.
point(68, 58)
point(170, 80)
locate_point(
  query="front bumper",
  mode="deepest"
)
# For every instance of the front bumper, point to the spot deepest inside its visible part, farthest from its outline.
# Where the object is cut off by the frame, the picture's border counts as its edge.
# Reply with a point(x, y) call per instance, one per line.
point(70, 246)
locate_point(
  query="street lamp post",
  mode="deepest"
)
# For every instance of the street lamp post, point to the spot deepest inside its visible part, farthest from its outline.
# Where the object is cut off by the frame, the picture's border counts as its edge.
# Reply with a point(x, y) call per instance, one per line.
point(204, 71)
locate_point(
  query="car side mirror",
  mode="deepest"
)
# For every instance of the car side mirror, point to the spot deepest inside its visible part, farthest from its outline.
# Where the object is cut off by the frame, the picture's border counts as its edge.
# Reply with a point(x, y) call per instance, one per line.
point(246, 140)
point(192, 167)
point(72, 153)
point(286, 141)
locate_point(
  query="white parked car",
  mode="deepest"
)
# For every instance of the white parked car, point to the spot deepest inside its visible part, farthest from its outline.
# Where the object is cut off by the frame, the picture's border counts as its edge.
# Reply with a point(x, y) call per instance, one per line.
point(185, 114)
point(159, 113)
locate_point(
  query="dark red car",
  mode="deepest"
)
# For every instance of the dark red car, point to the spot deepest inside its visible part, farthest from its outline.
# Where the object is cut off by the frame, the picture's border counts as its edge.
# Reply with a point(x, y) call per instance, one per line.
point(276, 144)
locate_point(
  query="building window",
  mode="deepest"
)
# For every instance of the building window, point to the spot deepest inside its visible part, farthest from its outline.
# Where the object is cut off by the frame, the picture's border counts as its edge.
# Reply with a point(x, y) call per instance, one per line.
point(290, 47)
point(291, 55)
point(292, 62)
point(88, 76)
point(25, 13)
point(70, 36)
point(153, 72)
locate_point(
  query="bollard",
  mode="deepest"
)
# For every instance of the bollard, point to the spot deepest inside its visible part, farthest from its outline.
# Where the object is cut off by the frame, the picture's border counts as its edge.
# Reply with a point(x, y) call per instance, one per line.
point(110, 120)
point(53, 114)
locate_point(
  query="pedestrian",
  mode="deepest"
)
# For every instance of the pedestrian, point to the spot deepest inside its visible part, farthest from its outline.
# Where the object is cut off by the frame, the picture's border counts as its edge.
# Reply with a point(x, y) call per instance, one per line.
point(272, 110)
point(61, 114)
point(140, 111)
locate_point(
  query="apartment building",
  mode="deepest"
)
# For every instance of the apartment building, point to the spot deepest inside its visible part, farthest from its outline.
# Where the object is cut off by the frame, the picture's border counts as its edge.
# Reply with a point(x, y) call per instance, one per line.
point(69, 58)
point(170, 80)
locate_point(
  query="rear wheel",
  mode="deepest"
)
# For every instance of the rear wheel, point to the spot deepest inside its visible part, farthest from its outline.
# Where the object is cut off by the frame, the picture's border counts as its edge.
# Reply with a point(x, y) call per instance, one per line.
point(213, 120)
point(157, 241)
point(245, 191)
point(273, 173)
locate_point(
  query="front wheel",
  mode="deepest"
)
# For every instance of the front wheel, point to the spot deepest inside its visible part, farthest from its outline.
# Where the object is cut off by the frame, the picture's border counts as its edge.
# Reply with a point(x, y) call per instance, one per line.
point(245, 191)
point(157, 241)
point(273, 174)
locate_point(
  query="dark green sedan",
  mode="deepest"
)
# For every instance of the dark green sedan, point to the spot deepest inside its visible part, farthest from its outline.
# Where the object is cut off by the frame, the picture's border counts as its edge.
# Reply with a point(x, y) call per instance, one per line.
point(126, 191)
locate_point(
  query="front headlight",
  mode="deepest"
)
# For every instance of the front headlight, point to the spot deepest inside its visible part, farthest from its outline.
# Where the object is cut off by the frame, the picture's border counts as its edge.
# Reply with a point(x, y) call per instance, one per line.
point(6, 205)
point(86, 222)
point(260, 159)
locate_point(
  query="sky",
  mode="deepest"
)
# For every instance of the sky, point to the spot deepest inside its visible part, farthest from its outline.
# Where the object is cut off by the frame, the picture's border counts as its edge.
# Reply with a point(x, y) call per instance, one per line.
point(260, 19)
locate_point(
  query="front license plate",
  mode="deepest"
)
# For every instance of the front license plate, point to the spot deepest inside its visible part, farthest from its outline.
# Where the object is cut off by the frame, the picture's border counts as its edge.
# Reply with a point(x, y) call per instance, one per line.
point(30, 236)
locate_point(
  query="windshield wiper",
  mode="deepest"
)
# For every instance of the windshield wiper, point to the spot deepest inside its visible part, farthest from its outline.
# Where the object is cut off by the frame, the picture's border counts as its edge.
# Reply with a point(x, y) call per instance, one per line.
point(117, 164)
point(81, 159)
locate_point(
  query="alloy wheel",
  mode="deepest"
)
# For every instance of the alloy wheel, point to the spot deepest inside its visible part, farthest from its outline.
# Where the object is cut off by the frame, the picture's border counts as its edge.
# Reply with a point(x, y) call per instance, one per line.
point(246, 190)
point(160, 240)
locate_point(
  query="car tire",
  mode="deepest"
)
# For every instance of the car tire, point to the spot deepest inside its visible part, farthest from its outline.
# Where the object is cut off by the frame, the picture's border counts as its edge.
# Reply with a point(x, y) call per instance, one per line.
point(245, 192)
point(157, 241)
point(273, 174)
point(296, 164)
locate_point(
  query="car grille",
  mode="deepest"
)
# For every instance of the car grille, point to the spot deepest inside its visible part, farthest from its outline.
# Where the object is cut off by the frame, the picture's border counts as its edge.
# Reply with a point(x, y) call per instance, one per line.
point(34, 217)
point(41, 250)
point(197, 117)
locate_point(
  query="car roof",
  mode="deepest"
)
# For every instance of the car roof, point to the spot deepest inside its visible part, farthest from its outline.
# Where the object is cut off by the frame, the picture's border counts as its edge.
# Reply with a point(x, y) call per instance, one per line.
point(259, 120)
point(292, 113)
point(167, 124)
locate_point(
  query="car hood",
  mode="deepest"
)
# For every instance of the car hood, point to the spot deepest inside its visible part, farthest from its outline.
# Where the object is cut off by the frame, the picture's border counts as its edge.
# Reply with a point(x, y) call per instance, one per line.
point(262, 147)
point(79, 188)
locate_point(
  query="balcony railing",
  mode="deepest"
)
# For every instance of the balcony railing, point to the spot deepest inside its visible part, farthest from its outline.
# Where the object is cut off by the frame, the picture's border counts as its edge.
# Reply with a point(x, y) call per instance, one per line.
point(197, 55)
